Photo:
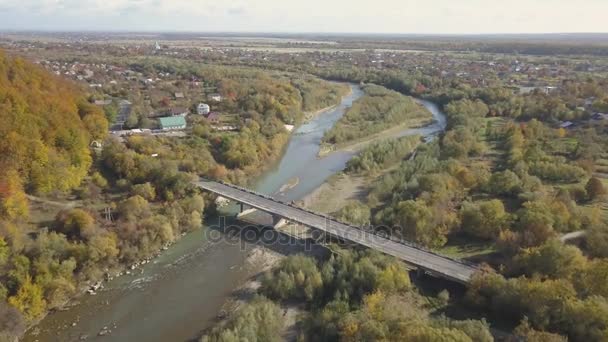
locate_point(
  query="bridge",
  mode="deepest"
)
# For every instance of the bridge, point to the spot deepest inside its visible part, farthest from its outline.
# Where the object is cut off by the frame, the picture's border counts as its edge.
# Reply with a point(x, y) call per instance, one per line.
point(282, 213)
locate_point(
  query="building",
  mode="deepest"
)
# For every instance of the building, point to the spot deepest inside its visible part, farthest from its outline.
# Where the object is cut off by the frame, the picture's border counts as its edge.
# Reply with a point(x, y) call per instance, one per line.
point(215, 97)
point(203, 109)
point(179, 111)
point(179, 95)
point(172, 123)
point(600, 116)
point(567, 124)
point(213, 117)
point(103, 102)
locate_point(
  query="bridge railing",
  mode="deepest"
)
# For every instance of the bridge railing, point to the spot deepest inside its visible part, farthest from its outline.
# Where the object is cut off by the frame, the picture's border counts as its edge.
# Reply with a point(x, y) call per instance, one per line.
point(375, 233)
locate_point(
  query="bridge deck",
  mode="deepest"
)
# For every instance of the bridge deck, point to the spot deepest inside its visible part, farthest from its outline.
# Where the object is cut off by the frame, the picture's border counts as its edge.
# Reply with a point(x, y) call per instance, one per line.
point(436, 264)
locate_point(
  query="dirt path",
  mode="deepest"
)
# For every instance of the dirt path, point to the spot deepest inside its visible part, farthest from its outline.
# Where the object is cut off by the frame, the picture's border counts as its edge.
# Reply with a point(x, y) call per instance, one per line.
point(67, 204)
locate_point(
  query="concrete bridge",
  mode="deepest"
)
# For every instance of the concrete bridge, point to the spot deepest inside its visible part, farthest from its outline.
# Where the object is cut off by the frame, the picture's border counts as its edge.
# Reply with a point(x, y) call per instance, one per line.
point(282, 213)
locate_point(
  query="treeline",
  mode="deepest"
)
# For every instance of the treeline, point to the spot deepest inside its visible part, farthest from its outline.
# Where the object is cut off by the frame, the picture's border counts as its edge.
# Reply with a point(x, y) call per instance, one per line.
point(377, 110)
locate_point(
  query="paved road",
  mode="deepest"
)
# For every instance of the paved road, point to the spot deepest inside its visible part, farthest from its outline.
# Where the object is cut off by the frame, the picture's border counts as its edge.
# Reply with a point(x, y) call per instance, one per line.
point(430, 262)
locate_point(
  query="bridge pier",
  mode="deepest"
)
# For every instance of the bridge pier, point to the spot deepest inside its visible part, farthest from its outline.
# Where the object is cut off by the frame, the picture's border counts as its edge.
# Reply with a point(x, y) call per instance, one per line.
point(420, 273)
point(278, 222)
point(245, 212)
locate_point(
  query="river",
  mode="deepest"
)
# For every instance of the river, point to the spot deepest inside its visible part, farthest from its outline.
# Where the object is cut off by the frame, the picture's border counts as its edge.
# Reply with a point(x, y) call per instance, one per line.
point(181, 292)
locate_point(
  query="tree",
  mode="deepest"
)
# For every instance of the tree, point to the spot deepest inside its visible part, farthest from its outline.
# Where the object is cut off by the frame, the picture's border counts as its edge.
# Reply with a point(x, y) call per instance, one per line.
point(418, 223)
point(76, 223)
point(484, 219)
point(4, 252)
point(259, 321)
point(552, 259)
point(145, 190)
point(134, 207)
point(29, 300)
point(504, 183)
point(393, 279)
point(354, 212)
point(595, 188)
point(535, 223)
point(527, 333)
point(597, 241)
point(13, 202)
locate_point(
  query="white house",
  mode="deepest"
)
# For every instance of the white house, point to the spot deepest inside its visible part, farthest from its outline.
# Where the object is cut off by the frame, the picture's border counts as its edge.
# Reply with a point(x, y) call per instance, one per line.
point(203, 109)
point(216, 97)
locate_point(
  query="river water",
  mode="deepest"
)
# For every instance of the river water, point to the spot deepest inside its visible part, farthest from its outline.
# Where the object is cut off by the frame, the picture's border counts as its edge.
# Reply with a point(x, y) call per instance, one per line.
point(181, 292)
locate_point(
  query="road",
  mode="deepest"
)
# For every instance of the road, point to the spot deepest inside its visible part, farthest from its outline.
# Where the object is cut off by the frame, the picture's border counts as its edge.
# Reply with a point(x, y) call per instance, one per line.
point(430, 262)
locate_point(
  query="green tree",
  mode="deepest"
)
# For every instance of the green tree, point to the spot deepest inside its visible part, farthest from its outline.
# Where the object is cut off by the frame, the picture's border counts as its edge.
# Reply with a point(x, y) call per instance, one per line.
point(552, 259)
point(354, 212)
point(418, 223)
point(76, 223)
point(595, 188)
point(484, 219)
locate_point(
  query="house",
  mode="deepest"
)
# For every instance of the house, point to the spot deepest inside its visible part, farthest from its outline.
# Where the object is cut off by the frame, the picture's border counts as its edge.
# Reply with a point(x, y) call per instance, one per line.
point(203, 109)
point(590, 101)
point(179, 96)
point(103, 102)
point(215, 97)
point(566, 124)
point(600, 116)
point(213, 117)
point(172, 123)
point(179, 111)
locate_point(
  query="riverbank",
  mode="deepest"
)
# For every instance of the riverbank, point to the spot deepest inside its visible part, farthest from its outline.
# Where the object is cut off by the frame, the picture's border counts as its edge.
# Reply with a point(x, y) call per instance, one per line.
point(359, 144)
point(308, 116)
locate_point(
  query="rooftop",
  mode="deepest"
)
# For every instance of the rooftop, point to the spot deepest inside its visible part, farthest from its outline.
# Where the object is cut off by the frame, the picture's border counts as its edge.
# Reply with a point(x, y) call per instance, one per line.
point(172, 121)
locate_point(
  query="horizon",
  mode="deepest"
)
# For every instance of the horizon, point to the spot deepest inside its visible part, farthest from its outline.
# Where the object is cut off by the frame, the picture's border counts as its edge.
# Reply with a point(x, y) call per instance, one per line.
point(433, 17)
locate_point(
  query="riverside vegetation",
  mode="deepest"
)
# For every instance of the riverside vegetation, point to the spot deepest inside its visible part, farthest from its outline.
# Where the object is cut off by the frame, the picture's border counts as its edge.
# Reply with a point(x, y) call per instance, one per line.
point(503, 176)
point(379, 109)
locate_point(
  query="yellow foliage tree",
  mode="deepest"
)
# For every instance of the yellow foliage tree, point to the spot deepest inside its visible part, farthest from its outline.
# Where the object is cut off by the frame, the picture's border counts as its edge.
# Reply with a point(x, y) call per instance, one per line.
point(13, 202)
point(29, 300)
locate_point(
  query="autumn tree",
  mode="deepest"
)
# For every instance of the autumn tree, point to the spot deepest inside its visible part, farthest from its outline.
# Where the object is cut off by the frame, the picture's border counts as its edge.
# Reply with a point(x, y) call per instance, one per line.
point(484, 219)
point(595, 188)
point(76, 223)
point(29, 300)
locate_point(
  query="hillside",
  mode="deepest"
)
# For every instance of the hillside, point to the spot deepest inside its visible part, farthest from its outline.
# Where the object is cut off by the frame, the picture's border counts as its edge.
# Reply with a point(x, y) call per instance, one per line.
point(46, 129)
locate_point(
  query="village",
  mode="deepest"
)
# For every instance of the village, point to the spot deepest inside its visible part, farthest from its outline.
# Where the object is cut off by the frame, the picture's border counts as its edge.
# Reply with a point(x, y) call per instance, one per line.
point(145, 101)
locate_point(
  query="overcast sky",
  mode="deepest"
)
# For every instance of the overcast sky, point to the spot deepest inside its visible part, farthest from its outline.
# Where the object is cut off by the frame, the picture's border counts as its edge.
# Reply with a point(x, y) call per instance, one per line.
point(374, 16)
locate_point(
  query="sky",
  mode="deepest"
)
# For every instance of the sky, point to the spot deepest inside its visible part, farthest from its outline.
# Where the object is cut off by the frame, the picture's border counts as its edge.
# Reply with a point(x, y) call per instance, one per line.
point(335, 16)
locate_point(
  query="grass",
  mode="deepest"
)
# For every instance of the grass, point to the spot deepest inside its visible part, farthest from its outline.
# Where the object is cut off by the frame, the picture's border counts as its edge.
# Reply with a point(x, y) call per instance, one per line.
point(460, 247)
